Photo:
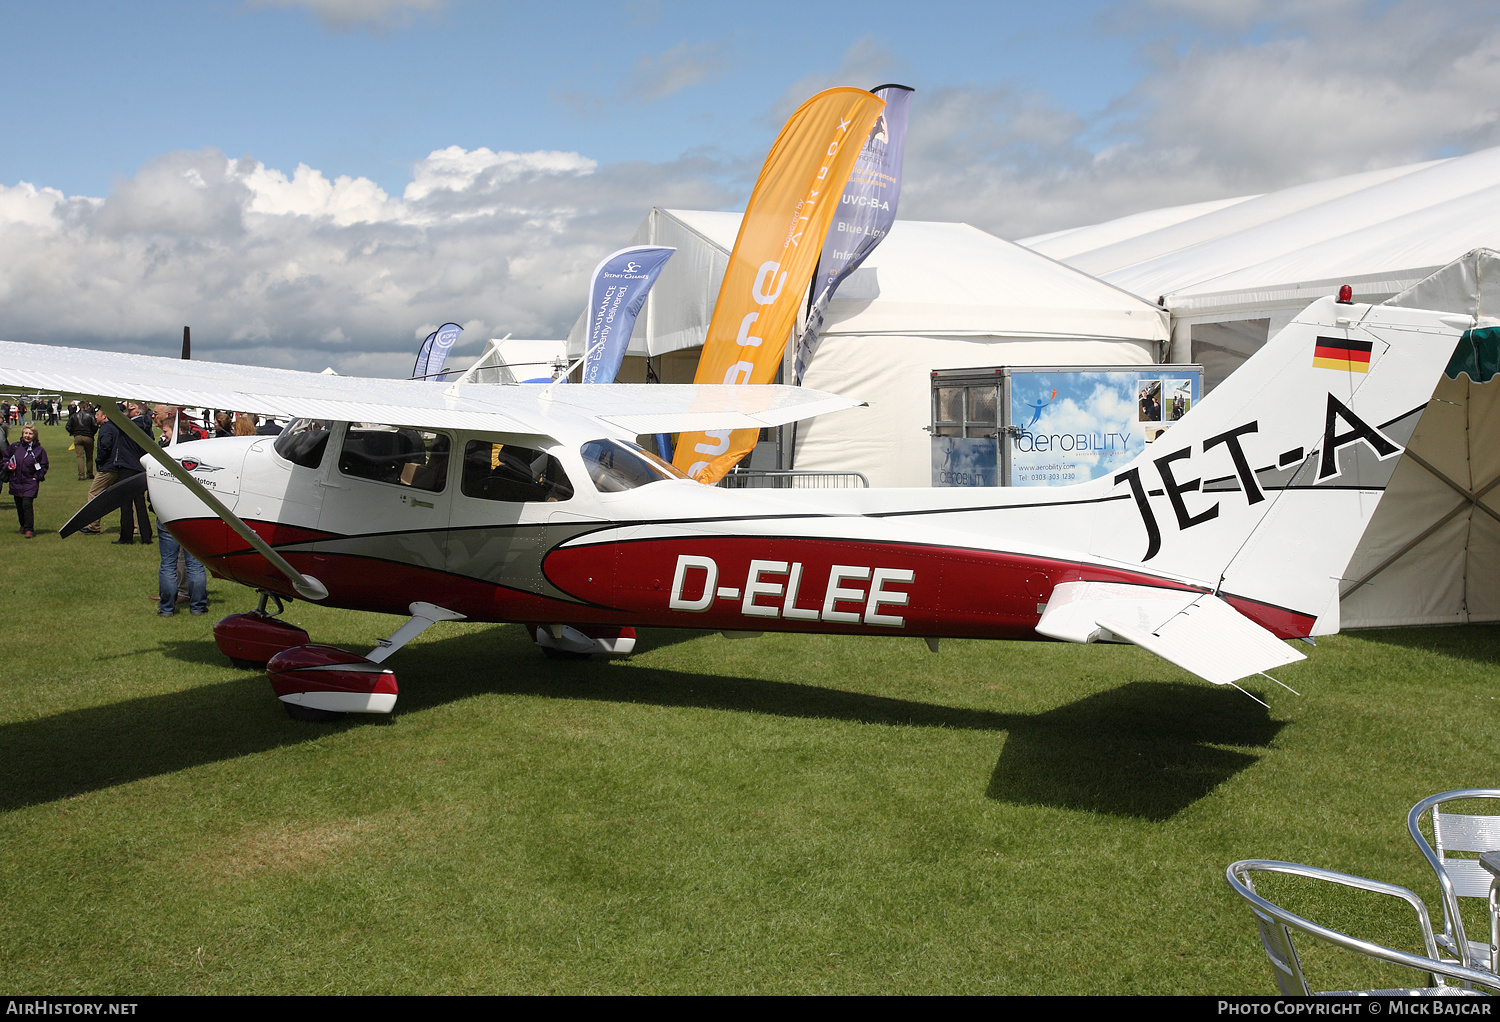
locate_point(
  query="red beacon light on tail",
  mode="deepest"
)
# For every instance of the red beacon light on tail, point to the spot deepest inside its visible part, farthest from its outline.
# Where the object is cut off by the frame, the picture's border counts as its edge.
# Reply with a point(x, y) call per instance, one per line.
point(1346, 295)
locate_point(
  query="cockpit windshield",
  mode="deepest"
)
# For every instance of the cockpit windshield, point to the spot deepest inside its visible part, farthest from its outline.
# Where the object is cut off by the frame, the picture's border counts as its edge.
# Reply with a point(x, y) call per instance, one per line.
point(303, 442)
point(615, 466)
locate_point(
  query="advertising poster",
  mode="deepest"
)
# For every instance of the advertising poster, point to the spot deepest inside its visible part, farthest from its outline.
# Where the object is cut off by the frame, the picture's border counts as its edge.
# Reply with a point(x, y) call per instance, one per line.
point(617, 293)
point(773, 259)
point(865, 215)
point(1074, 426)
point(433, 354)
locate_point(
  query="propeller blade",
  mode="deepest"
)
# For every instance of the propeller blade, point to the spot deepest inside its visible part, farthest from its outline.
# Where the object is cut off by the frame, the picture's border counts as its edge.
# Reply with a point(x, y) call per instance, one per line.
point(112, 499)
point(187, 343)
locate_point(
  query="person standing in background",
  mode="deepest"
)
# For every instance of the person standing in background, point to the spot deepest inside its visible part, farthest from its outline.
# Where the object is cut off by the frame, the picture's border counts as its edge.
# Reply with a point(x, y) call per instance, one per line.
point(121, 457)
point(104, 450)
point(83, 428)
point(135, 514)
point(27, 462)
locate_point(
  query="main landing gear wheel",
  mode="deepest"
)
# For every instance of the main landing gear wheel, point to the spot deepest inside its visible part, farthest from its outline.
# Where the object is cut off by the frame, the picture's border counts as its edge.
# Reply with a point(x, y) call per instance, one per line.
point(579, 642)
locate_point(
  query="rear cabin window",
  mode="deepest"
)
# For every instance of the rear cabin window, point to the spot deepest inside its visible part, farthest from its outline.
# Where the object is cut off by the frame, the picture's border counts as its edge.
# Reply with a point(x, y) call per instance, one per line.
point(517, 475)
point(396, 454)
point(303, 442)
point(615, 466)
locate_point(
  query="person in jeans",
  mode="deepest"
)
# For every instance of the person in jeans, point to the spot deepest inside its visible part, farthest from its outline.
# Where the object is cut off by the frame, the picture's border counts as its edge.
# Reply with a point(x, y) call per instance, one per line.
point(167, 575)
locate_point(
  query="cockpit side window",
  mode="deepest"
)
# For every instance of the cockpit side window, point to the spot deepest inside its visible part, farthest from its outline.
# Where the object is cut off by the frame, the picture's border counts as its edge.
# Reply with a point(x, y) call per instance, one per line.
point(304, 441)
point(506, 472)
point(396, 454)
point(615, 466)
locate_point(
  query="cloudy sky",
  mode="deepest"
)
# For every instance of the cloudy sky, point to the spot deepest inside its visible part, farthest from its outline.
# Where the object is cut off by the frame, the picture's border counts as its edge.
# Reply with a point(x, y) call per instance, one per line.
point(315, 182)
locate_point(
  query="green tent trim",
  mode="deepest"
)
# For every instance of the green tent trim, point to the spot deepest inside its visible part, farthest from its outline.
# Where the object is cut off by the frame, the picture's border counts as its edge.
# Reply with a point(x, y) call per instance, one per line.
point(1478, 354)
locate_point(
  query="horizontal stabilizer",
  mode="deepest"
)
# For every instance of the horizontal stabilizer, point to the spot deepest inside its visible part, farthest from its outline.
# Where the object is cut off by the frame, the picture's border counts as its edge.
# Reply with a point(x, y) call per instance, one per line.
point(1196, 631)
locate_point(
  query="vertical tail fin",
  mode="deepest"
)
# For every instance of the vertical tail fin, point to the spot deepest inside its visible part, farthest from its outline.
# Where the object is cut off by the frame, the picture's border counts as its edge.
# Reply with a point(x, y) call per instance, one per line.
point(1263, 489)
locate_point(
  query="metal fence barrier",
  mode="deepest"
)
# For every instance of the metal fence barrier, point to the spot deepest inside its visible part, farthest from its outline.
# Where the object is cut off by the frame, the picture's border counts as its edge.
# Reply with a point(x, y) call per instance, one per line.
point(793, 479)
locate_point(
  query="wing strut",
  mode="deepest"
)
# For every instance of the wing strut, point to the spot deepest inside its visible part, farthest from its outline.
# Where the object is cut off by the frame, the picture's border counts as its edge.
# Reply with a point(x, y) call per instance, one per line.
point(306, 586)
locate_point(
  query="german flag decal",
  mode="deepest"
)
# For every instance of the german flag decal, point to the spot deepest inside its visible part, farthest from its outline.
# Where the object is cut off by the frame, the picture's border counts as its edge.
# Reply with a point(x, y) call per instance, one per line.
point(1339, 353)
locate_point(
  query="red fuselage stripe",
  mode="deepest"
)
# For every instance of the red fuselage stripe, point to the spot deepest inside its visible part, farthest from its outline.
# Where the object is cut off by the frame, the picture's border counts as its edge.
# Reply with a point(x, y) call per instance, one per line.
point(800, 584)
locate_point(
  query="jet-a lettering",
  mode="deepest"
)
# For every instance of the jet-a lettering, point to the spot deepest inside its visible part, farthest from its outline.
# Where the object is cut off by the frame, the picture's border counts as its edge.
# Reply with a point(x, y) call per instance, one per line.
point(1172, 469)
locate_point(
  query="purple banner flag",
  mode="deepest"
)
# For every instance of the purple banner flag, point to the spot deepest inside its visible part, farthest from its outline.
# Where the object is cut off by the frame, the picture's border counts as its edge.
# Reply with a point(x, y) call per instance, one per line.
point(865, 215)
point(616, 296)
point(434, 352)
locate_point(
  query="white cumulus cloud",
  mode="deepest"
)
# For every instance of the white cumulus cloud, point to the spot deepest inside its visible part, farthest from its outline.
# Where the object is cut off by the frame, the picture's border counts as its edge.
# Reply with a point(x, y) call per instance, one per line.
point(304, 271)
point(344, 200)
point(1238, 97)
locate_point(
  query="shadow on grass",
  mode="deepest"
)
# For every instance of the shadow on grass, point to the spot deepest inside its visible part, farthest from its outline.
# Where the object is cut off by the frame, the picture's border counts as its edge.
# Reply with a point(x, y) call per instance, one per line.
point(1478, 643)
point(1135, 751)
point(1146, 750)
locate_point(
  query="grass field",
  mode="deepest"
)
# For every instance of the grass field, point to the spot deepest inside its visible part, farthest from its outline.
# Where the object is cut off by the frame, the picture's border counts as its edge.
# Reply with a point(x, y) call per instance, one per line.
point(781, 815)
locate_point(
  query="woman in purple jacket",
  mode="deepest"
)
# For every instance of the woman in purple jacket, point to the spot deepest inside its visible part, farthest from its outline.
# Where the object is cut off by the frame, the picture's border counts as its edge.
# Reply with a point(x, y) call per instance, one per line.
point(27, 462)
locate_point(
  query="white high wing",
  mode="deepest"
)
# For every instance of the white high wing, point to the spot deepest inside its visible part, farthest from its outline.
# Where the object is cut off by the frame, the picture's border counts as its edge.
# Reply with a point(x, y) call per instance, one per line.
point(532, 504)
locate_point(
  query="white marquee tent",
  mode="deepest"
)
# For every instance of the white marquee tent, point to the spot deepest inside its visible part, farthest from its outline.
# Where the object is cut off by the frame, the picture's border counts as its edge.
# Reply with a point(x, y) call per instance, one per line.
point(932, 296)
point(1232, 273)
point(1432, 552)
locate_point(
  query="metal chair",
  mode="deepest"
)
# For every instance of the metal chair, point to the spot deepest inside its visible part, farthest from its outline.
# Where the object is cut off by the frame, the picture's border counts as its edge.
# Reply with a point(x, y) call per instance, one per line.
point(1459, 877)
point(1276, 925)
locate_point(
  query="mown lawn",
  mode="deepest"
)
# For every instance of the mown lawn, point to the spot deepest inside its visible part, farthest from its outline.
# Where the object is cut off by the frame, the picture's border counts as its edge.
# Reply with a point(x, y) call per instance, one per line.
point(781, 815)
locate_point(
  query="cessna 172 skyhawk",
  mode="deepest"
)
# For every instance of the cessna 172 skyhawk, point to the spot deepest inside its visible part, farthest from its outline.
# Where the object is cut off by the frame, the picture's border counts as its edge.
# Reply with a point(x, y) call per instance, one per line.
point(532, 504)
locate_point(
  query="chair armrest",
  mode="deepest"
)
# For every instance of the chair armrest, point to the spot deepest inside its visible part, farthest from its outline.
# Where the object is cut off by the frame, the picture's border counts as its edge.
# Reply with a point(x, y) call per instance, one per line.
point(1238, 877)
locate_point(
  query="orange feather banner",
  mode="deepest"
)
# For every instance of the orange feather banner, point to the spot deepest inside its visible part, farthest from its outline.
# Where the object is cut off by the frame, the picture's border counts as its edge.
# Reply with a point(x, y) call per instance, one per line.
point(773, 260)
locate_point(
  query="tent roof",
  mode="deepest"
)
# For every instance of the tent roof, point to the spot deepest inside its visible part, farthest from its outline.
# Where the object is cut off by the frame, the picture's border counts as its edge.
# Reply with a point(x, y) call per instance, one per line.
point(1075, 241)
point(1396, 225)
point(925, 278)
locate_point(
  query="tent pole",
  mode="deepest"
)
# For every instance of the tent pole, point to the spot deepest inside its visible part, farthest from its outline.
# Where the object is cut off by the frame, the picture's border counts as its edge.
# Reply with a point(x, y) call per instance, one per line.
point(1180, 347)
point(1470, 500)
point(1434, 527)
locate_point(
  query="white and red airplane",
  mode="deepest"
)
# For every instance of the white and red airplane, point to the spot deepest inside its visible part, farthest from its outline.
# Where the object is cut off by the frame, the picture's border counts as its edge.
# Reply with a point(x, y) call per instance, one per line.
point(533, 504)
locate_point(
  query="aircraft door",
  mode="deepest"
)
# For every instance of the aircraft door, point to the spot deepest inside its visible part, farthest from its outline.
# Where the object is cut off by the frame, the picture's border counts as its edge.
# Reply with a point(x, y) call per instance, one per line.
point(279, 476)
point(505, 496)
point(391, 487)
